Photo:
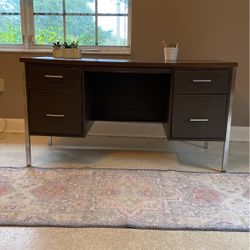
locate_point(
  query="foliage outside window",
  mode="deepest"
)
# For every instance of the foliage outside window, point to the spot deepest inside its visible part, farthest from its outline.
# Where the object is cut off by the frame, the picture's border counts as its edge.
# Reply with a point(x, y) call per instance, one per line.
point(10, 19)
point(95, 24)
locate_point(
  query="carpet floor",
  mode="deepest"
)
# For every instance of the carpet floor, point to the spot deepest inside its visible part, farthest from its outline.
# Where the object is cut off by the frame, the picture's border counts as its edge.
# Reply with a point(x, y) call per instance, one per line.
point(147, 199)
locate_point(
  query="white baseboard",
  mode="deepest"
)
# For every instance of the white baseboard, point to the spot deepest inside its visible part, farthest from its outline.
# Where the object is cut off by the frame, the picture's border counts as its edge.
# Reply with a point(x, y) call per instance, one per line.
point(240, 134)
point(13, 125)
point(131, 129)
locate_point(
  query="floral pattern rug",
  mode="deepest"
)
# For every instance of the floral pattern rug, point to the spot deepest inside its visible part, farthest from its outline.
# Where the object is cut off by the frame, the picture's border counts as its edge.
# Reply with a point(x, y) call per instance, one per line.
point(147, 199)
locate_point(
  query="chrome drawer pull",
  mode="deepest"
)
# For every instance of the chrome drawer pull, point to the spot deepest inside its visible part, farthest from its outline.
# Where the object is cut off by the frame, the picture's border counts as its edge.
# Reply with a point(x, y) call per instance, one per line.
point(53, 76)
point(198, 120)
point(55, 115)
point(202, 81)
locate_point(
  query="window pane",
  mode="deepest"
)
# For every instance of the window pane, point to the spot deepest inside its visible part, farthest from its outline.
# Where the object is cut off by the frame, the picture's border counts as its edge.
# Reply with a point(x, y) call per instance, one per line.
point(112, 31)
point(48, 29)
point(48, 6)
point(81, 29)
point(10, 6)
point(10, 29)
point(80, 6)
point(113, 6)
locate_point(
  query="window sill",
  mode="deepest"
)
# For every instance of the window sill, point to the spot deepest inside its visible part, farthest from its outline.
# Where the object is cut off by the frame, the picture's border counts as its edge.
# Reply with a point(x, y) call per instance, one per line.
point(45, 51)
point(49, 51)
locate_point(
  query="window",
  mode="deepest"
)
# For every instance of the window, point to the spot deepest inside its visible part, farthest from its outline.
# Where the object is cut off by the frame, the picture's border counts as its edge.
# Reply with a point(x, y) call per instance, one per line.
point(97, 25)
point(10, 20)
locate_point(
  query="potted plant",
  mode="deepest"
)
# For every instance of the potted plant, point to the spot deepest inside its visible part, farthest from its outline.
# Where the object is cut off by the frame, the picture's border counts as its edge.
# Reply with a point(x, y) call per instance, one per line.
point(67, 50)
point(76, 52)
point(57, 50)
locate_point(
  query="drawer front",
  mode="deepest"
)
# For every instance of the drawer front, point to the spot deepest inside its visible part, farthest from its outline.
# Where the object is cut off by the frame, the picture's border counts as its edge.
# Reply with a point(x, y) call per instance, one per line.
point(198, 117)
point(55, 113)
point(45, 77)
point(205, 81)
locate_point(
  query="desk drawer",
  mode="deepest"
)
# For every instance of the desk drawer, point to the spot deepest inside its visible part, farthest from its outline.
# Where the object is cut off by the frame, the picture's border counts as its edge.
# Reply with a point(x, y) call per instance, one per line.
point(201, 81)
point(55, 113)
point(199, 117)
point(49, 77)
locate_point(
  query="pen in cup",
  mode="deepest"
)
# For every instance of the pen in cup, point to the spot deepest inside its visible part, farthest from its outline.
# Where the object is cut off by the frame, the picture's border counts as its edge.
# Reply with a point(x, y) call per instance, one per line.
point(170, 51)
point(171, 45)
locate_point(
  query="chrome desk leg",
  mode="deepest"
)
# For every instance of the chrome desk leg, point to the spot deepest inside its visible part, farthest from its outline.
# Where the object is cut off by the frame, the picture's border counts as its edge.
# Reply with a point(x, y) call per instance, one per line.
point(26, 125)
point(227, 140)
point(206, 145)
point(228, 129)
point(50, 142)
point(225, 155)
point(28, 150)
point(27, 141)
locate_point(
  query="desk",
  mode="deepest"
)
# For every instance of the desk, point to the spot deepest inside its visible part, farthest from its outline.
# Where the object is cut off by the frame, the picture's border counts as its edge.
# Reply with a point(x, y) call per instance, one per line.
point(192, 99)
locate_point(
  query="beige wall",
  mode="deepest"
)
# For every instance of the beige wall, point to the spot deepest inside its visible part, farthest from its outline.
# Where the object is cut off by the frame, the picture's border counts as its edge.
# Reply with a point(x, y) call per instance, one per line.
point(205, 29)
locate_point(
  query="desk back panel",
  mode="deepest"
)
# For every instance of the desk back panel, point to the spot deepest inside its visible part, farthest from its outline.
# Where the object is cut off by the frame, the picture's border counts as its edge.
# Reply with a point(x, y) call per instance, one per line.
point(123, 96)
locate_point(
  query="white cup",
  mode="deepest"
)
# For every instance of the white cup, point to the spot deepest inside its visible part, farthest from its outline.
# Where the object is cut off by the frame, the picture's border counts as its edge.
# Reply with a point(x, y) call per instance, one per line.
point(170, 54)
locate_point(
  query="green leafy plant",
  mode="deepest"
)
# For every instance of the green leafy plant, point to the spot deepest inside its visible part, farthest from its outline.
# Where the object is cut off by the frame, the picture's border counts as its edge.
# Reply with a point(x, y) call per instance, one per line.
point(74, 45)
point(57, 45)
point(67, 46)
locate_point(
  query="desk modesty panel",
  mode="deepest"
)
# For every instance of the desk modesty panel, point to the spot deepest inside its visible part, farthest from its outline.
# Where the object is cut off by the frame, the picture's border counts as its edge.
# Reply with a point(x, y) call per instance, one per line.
point(192, 99)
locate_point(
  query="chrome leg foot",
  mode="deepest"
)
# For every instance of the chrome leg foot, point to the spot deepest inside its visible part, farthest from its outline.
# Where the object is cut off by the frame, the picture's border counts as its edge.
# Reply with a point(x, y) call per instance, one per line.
point(225, 156)
point(206, 145)
point(50, 142)
point(28, 150)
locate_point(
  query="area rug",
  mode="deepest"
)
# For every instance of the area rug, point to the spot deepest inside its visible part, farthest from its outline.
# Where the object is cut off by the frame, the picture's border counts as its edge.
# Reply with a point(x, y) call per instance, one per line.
point(146, 199)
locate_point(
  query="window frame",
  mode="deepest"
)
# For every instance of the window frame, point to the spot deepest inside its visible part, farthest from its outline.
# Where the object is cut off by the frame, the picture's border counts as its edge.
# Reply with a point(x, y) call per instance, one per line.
point(14, 14)
point(27, 29)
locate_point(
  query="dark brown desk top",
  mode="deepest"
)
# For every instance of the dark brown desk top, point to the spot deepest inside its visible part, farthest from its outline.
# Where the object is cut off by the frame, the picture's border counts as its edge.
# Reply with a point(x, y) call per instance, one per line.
point(129, 62)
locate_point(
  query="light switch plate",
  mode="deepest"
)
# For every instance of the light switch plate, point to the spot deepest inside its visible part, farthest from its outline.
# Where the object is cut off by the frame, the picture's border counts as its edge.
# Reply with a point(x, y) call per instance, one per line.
point(2, 87)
